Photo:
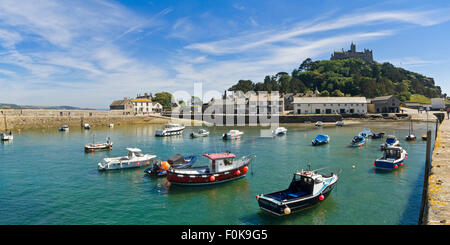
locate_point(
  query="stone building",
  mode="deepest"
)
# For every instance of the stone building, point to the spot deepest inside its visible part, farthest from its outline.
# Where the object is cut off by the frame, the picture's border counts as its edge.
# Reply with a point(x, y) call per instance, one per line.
point(367, 55)
point(385, 104)
point(126, 105)
point(330, 105)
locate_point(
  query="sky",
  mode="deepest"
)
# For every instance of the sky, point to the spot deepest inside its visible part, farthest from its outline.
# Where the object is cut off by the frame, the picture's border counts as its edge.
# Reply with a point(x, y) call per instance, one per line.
point(89, 53)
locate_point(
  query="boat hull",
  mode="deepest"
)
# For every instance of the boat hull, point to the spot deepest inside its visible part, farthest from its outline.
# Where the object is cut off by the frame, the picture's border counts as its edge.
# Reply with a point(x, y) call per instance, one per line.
point(388, 165)
point(99, 148)
point(163, 133)
point(294, 206)
point(205, 179)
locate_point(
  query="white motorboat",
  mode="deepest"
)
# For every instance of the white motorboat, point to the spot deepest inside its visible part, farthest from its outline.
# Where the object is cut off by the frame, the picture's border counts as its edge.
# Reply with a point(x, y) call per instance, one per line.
point(111, 125)
point(6, 136)
point(280, 131)
point(170, 129)
point(391, 140)
point(339, 123)
point(200, 133)
point(64, 128)
point(134, 159)
point(318, 123)
point(393, 157)
point(232, 134)
point(87, 126)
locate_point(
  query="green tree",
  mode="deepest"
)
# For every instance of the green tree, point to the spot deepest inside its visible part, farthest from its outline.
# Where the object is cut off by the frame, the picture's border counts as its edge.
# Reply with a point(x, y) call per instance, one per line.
point(165, 99)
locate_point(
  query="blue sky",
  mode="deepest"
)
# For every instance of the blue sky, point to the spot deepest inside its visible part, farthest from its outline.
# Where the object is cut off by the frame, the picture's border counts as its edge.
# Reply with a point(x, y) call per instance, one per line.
point(88, 53)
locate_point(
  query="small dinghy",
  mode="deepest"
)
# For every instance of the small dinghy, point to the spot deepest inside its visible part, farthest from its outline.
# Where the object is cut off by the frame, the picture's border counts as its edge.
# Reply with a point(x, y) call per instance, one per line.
point(321, 139)
point(159, 168)
point(99, 146)
point(365, 133)
point(391, 140)
point(64, 128)
point(318, 123)
point(134, 159)
point(232, 135)
point(87, 126)
point(424, 137)
point(411, 136)
point(392, 158)
point(376, 135)
point(339, 123)
point(223, 167)
point(200, 133)
point(358, 141)
point(7, 136)
point(307, 189)
point(279, 131)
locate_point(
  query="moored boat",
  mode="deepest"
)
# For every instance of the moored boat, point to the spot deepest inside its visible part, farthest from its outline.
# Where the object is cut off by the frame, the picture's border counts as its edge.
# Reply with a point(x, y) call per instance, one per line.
point(64, 128)
point(358, 141)
point(134, 159)
point(392, 158)
point(376, 135)
point(6, 136)
point(98, 146)
point(307, 189)
point(410, 136)
point(320, 139)
point(170, 129)
point(222, 167)
point(365, 133)
point(87, 126)
point(424, 137)
point(279, 131)
point(159, 168)
point(318, 123)
point(391, 140)
point(200, 133)
point(339, 123)
point(232, 134)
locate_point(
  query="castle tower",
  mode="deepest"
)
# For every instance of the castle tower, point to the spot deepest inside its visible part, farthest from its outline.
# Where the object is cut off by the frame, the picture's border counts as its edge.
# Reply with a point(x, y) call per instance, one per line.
point(353, 48)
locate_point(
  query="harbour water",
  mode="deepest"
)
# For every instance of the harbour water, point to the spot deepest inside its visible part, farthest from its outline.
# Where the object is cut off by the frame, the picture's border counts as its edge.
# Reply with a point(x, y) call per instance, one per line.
point(47, 178)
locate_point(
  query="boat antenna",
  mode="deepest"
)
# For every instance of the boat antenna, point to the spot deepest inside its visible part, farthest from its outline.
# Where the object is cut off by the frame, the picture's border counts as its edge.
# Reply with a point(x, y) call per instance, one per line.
point(309, 166)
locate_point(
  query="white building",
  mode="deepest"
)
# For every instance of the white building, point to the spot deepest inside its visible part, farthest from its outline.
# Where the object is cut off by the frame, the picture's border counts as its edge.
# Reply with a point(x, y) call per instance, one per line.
point(146, 106)
point(330, 105)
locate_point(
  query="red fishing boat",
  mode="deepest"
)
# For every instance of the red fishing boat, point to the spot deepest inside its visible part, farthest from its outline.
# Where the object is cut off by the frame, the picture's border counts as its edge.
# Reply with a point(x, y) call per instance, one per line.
point(222, 167)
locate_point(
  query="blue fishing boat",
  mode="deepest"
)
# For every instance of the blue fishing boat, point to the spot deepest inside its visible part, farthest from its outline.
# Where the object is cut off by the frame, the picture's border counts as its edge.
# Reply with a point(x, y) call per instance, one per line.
point(321, 139)
point(307, 189)
point(159, 168)
point(358, 141)
point(392, 158)
point(391, 140)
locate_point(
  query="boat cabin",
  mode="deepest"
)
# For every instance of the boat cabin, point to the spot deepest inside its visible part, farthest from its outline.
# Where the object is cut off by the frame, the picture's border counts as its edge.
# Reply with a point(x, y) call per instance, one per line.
point(392, 153)
point(171, 125)
point(134, 152)
point(219, 162)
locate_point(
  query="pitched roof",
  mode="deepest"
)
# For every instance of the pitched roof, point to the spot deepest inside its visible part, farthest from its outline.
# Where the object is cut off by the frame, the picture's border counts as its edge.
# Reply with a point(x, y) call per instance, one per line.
point(382, 98)
point(118, 102)
point(321, 100)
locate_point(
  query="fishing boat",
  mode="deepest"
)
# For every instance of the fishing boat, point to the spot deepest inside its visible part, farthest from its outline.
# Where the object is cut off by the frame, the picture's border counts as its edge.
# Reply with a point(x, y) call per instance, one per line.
point(307, 189)
point(279, 131)
point(222, 167)
point(392, 158)
point(318, 123)
point(365, 133)
point(6, 136)
point(232, 135)
point(321, 139)
point(358, 141)
point(170, 129)
point(134, 159)
point(411, 136)
point(159, 168)
point(339, 123)
point(64, 128)
point(376, 135)
point(200, 133)
point(99, 146)
point(86, 126)
point(391, 140)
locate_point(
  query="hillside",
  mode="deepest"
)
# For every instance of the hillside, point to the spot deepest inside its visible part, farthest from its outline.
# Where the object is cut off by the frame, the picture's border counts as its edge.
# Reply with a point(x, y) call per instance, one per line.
point(14, 106)
point(349, 77)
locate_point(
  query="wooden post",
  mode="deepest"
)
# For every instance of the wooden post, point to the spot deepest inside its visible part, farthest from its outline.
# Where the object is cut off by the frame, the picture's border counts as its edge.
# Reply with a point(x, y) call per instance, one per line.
point(423, 204)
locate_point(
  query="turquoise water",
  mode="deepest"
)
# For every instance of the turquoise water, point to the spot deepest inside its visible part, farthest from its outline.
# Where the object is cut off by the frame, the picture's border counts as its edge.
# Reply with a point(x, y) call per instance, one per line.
point(46, 178)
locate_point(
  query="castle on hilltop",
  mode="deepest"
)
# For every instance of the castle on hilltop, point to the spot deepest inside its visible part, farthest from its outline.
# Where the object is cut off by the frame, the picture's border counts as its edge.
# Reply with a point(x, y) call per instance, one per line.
point(367, 55)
